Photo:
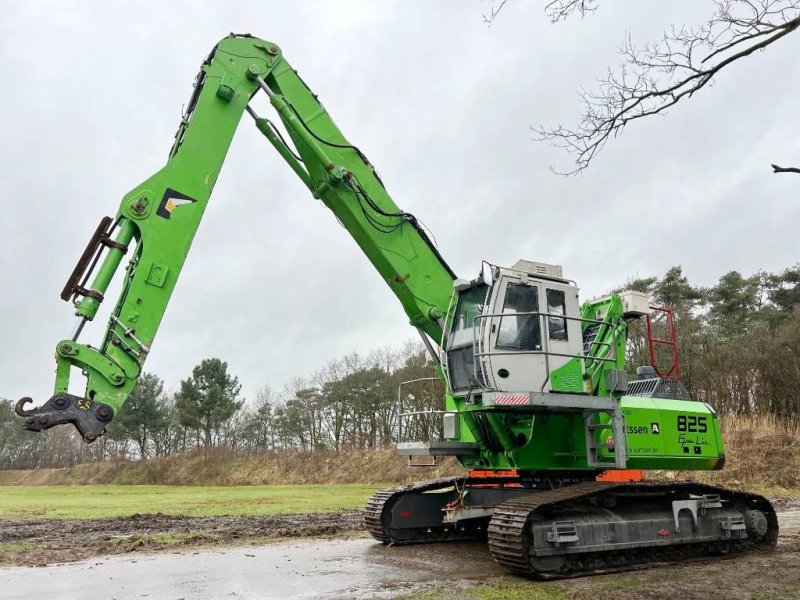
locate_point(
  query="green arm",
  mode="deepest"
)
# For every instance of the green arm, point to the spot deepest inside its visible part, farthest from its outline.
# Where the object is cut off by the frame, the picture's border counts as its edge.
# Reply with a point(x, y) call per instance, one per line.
point(158, 219)
point(340, 175)
point(607, 340)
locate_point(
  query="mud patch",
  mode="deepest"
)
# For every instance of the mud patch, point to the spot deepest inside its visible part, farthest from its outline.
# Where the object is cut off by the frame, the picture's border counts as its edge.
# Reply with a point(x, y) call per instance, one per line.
point(362, 568)
point(45, 541)
point(785, 504)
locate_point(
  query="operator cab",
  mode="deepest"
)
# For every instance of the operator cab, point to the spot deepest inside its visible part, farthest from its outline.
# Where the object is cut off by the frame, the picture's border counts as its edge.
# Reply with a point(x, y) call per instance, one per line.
point(515, 329)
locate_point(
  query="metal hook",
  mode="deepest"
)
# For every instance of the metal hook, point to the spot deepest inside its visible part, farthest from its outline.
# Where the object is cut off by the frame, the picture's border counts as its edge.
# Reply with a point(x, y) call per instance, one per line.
point(19, 407)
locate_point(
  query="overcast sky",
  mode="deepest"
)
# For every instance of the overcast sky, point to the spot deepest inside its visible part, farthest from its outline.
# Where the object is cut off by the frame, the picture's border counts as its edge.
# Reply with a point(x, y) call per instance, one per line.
point(93, 92)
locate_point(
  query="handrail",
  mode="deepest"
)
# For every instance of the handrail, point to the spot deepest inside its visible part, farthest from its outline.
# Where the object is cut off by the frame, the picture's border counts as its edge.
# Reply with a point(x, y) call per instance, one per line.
point(545, 342)
point(400, 412)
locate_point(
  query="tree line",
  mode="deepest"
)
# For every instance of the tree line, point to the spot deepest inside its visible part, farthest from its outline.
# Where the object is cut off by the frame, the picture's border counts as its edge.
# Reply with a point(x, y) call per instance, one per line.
point(738, 343)
point(350, 403)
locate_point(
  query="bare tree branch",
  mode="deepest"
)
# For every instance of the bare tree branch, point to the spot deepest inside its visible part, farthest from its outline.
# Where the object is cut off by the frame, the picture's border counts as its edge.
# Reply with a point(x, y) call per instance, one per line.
point(556, 10)
point(494, 10)
point(559, 10)
point(656, 77)
point(777, 169)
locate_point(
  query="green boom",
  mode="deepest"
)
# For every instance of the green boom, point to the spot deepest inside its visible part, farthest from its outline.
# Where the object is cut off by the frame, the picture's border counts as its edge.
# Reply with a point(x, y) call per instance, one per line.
point(160, 217)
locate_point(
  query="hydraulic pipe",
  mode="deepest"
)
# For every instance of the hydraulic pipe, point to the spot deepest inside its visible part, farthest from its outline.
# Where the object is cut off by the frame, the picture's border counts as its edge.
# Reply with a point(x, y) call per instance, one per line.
point(264, 127)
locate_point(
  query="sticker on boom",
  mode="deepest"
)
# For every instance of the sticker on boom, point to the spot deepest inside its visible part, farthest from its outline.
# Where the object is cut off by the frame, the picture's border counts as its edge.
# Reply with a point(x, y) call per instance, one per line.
point(170, 201)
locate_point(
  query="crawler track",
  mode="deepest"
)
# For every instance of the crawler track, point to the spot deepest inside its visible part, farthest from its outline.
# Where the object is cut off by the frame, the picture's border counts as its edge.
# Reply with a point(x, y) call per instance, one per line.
point(378, 511)
point(377, 516)
point(510, 543)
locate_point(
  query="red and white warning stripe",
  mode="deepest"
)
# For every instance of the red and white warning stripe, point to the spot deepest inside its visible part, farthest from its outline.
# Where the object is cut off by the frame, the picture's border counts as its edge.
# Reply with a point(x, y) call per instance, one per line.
point(512, 399)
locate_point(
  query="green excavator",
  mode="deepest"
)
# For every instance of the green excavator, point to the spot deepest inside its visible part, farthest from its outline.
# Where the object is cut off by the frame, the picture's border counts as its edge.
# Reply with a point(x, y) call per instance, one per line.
point(538, 400)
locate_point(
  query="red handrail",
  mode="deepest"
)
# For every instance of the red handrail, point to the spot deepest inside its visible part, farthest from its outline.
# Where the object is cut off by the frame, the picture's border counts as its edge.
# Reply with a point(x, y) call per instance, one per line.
point(659, 313)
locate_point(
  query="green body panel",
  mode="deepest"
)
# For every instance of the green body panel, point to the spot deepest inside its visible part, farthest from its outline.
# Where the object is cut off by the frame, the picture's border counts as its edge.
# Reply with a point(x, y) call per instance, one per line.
point(557, 442)
point(568, 378)
point(671, 434)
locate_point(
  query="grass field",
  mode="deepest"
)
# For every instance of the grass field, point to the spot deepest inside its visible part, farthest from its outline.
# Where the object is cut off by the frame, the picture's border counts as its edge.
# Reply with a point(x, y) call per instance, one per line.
point(511, 588)
point(96, 501)
point(645, 584)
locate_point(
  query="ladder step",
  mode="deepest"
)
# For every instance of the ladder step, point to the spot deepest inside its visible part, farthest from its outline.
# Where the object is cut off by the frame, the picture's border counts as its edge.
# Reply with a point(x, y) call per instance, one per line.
point(598, 446)
point(603, 463)
point(614, 456)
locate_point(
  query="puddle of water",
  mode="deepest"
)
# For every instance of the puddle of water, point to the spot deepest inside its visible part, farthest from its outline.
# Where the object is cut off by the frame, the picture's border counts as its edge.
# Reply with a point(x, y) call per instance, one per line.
point(789, 521)
point(317, 569)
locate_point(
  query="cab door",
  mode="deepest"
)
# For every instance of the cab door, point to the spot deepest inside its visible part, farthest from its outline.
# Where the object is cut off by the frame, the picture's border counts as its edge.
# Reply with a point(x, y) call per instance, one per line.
point(513, 359)
point(562, 338)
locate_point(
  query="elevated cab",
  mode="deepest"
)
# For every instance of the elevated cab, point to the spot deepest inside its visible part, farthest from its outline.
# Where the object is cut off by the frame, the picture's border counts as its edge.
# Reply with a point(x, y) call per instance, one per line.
point(516, 329)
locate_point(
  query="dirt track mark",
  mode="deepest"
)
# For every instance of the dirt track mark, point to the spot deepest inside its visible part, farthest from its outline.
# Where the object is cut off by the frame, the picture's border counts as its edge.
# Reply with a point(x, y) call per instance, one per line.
point(44, 541)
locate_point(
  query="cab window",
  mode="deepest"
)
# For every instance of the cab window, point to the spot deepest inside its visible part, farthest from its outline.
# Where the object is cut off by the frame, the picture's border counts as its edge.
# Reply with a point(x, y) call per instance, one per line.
point(470, 305)
point(520, 331)
point(556, 309)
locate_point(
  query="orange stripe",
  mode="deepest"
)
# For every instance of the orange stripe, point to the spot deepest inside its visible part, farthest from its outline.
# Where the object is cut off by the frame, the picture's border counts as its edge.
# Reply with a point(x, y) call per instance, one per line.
point(621, 475)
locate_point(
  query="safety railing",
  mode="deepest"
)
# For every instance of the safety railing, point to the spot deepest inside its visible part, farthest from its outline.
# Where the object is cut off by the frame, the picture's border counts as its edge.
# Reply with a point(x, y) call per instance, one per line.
point(663, 316)
point(409, 414)
point(478, 335)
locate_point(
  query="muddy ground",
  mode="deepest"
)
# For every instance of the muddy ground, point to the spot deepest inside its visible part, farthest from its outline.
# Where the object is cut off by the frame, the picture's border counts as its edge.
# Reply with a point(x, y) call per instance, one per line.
point(337, 560)
point(360, 568)
point(47, 541)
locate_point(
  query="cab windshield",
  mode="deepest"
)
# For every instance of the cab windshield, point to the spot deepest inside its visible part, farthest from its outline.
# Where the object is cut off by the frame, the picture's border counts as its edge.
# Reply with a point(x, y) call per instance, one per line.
point(461, 351)
point(470, 305)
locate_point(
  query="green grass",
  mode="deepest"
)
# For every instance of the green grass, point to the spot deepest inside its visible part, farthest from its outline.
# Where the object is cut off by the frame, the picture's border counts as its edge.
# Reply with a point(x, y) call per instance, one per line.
point(500, 590)
point(95, 501)
point(510, 588)
point(791, 592)
point(522, 591)
point(618, 583)
point(9, 549)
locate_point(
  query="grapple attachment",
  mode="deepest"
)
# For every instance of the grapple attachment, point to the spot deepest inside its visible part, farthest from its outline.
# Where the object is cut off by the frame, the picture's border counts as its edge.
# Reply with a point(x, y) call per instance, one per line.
point(89, 417)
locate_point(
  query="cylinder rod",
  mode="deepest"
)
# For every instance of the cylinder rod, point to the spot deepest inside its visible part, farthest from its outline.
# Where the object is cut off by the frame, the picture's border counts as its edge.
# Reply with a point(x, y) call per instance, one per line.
point(264, 127)
point(88, 306)
point(76, 332)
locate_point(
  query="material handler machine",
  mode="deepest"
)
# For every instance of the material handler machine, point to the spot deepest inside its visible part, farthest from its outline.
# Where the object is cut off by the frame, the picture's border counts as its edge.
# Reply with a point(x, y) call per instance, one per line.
point(538, 402)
